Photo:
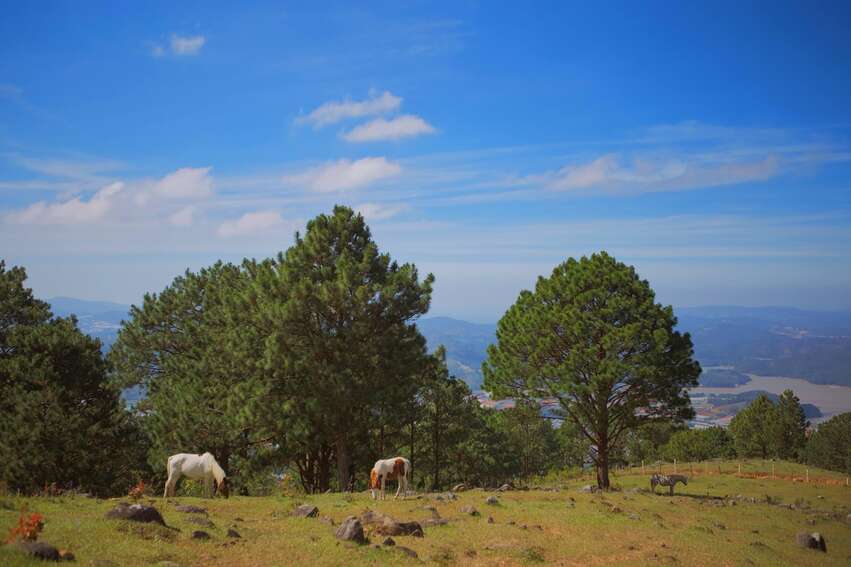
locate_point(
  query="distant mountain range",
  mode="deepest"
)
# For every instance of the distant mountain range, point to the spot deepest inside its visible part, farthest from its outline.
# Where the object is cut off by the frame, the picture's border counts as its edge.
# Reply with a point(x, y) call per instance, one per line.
point(729, 341)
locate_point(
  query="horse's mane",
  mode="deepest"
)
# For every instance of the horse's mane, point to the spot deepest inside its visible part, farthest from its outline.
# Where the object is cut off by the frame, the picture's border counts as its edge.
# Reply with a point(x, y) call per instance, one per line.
point(218, 471)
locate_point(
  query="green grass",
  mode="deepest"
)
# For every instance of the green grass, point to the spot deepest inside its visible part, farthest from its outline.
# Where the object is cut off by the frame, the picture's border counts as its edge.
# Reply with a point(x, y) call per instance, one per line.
point(536, 527)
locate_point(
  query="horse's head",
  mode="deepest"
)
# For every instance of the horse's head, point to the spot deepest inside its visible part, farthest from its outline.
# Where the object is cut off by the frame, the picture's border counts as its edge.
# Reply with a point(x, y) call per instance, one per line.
point(223, 487)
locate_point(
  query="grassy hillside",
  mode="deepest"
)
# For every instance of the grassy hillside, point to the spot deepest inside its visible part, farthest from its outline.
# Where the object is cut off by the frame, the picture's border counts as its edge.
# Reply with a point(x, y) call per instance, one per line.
point(715, 520)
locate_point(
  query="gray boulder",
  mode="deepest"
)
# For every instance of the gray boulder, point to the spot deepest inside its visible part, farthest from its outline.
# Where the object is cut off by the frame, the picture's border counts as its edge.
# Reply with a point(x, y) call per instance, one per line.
point(471, 510)
point(200, 534)
point(233, 533)
point(407, 551)
point(460, 487)
point(136, 513)
point(201, 521)
point(492, 500)
point(391, 527)
point(811, 541)
point(39, 550)
point(504, 488)
point(588, 488)
point(389, 541)
point(306, 511)
point(351, 530)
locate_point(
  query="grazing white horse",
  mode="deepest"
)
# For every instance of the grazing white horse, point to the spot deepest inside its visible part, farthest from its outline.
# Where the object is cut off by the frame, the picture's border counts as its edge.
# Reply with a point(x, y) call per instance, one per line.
point(397, 468)
point(197, 467)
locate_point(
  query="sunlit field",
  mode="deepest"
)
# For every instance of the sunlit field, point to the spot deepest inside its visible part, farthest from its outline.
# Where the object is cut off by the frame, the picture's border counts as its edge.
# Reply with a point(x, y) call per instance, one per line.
point(718, 519)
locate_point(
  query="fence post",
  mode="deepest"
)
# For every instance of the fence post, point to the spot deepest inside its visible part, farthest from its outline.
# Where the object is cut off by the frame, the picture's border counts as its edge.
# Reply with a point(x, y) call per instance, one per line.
point(675, 466)
point(691, 468)
point(642, 467)
point(808, 475)
point(740, 469)
point(705, 468)
point(772, 470)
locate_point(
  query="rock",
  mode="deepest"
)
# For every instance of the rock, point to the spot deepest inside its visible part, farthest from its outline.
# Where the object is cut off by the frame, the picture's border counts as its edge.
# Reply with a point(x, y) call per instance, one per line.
point(66, 555)
point(372, 517)
point(388, 541)
point(201, 521)
point(460, 487)
point(306, 511)
point(189, 509)
point(615, 509)
point(490, 519)
point(634, 517)
point(492, 500)
point(435, 522)
point(407, 551)
point(351, 530)
point(200, 534)
point(504, 488)
point(135, 513)
point(588, 488)
point(238, 519)
point(433, 510)
point(233, 533)
point(39, 550)
point(811, 541)
point(469, 510)
point(391, 527)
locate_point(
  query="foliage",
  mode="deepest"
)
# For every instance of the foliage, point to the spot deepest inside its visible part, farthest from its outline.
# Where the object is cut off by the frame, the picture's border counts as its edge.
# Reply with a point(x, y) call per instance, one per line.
point(699, 445)
point(829, 446)
point(27, 528)
point(751, 430)
point(62, 422)
point(789, 427)
point(592, 337)
point(184, 346)
point(342, 349)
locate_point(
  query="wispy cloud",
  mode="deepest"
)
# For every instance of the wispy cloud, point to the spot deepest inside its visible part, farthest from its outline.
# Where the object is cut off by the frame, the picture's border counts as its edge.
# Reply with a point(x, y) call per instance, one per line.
point(616, 174)
point(185, 183)
point(380, 211)
point(183, 217)
point(178, 45)
point(405, 126)
point(344, 174)
point(336, 111)
point(251, 223)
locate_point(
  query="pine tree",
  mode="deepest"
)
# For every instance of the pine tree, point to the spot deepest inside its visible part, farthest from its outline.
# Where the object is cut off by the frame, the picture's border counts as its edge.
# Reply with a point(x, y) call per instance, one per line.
point(830, 445)
point(751, 429)
point(61, 423)
point(789, 427)
point(592, 337)
point(343, 349)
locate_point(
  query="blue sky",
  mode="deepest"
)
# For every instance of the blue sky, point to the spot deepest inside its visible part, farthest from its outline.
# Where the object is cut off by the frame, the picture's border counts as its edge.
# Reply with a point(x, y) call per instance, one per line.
point(707, 143)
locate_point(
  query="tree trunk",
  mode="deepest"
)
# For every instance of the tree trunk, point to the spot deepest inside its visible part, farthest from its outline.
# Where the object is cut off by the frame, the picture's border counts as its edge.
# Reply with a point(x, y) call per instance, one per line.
point(603, 461)
point(412, 451)
point(323, 480)
point(344, 462)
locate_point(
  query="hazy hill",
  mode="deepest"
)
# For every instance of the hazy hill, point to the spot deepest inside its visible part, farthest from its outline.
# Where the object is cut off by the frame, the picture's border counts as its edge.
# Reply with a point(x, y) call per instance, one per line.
point(780, 341)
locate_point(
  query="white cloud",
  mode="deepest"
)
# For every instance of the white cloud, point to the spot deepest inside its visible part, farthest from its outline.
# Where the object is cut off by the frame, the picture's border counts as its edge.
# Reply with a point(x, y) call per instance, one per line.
point(187, 45)
point(73, 211)
point(344, 174)
point(379, 211)
point(251, 223)
point(404, 126)
point(332, 112)
point(183, 217)
point(185, 183)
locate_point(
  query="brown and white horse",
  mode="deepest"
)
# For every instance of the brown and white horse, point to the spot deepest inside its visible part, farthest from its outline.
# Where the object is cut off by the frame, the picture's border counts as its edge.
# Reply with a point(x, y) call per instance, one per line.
point(397, 468)
point(197, 467)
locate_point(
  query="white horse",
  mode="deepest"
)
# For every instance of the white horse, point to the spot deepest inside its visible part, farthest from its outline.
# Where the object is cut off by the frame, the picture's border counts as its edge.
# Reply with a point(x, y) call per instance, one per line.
point(197, 467)
point(397, 468)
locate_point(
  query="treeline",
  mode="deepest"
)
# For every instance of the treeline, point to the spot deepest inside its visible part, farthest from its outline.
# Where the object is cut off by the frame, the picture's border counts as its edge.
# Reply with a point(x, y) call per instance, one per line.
point(311, 364)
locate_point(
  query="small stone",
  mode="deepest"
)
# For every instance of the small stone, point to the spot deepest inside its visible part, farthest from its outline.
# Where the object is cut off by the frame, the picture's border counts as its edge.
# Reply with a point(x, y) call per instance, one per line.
point(615, 510)
point(504, 488)
point(634, 517)
point(388, 541)
point(391, 527)
point(490, 519)
point(460, 487)
point(407, 551)
point(233, 533)
point(200, 534)
point(66, 555)
point(588, 488)
point(306, 511)
point(470, 510)
point(435, 522)
point(492, 500)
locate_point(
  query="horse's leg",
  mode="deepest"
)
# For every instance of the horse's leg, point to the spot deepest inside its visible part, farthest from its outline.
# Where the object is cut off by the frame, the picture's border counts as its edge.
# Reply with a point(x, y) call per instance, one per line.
point(383, 484)
point(398, 487)
point(671, 488)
